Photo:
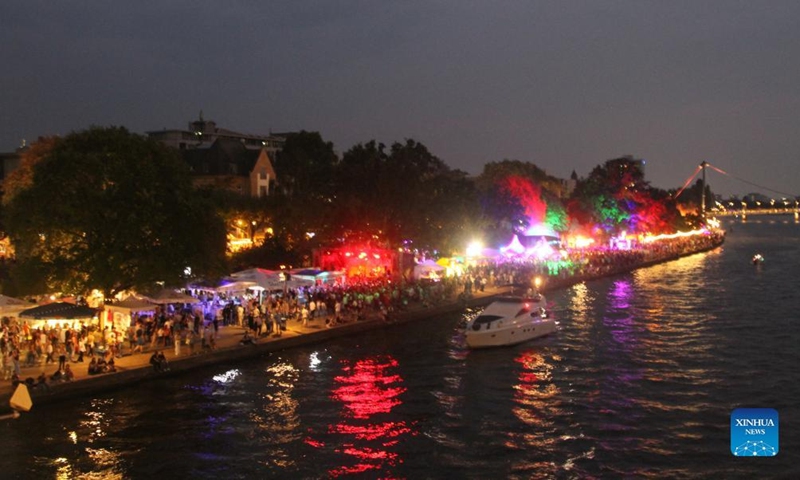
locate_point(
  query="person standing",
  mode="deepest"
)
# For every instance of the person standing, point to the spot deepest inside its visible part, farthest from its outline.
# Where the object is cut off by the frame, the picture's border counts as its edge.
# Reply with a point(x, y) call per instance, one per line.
point(49, 350)
point(276, 324)
point(8, 364)
point(62, 356)
point(312, 308)
point(81, 348)
point(15, 363)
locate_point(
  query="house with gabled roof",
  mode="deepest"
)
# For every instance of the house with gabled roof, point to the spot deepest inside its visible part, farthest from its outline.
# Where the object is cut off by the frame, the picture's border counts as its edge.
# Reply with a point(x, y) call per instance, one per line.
point(222, 158)
point(228, 164)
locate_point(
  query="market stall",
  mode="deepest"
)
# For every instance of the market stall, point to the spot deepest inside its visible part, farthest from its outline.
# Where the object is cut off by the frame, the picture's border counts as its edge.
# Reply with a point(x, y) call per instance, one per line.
point(119, 315)
point(59, 314)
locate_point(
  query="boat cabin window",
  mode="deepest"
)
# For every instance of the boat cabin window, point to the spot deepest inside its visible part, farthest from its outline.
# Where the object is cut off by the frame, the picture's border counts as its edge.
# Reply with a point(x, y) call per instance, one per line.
point(484, 320)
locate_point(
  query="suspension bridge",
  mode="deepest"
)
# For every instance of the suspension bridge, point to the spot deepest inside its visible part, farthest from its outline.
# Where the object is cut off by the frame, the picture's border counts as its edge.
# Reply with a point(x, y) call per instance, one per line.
point(787, 205)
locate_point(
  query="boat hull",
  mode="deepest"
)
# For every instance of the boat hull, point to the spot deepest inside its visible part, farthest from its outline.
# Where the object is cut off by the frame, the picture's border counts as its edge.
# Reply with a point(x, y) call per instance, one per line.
point(510, 335)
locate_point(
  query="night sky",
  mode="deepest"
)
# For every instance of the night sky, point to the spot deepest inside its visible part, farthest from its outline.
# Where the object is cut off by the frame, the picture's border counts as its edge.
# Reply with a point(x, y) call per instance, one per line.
point(566, 85)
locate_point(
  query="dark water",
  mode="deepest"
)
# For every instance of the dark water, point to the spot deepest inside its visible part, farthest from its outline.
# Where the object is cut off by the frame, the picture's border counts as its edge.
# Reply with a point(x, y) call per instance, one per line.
point(639, 382)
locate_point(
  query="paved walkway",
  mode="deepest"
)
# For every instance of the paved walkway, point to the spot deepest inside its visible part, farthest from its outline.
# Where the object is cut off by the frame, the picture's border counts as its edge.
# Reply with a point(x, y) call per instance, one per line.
point(228, 337)
point(132, 367)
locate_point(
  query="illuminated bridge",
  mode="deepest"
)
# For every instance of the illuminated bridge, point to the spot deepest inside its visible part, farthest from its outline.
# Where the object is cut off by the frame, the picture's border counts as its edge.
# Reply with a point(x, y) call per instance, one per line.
point(743, 213)
point(790, 203)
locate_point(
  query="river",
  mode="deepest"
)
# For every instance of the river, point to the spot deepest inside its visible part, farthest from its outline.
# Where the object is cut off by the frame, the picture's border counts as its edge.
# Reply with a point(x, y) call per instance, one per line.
point(638, 382)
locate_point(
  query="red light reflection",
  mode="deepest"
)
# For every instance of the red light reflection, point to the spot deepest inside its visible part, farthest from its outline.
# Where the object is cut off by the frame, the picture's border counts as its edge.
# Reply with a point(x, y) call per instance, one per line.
point(367, 390)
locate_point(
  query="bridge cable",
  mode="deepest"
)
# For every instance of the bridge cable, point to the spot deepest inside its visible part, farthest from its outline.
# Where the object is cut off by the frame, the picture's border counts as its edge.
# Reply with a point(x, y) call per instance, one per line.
point(696, 171)
point(748, 182)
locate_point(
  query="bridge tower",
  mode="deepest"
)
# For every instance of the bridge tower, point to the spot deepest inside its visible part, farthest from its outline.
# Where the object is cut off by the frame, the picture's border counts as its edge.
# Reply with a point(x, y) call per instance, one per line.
point(703, 194)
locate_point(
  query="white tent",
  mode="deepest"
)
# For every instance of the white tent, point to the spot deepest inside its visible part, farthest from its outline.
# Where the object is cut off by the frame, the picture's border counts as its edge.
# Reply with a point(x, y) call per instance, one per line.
point(428, 269)
point(261, 277)
point(119, 313)
point(132, 304)
point(10, 306)
point(232, 285)
point(167, 296)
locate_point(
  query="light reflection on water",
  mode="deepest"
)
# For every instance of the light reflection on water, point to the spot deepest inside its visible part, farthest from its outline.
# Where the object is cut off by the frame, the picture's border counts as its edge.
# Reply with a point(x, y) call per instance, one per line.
point(638, 382)
point(368, 390)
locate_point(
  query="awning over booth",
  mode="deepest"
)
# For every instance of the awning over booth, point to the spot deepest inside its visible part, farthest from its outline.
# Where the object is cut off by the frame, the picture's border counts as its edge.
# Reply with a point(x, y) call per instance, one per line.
point(132, 304)
point(58, 311)
point(167, 296)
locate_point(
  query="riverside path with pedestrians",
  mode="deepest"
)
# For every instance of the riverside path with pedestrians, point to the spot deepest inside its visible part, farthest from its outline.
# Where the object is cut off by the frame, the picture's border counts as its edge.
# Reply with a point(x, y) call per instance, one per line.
point(233, 342)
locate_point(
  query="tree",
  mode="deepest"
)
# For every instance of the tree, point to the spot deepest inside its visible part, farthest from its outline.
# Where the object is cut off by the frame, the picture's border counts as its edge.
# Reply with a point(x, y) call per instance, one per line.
point(616, 197)
point(305, 165)
point(109, 210)
point(516, 195)
point(405, 194)
point(22, 177)
point(606, 199)
point(360, 204)
point(496, 172)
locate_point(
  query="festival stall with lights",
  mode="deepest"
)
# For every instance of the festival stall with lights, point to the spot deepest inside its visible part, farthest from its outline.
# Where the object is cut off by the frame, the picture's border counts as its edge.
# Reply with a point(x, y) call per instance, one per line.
point(60, 314)
point(317, 277)
point(356, 261)
point(119, 315)
point(169, 296)
point(532, 246)
point(429, 270)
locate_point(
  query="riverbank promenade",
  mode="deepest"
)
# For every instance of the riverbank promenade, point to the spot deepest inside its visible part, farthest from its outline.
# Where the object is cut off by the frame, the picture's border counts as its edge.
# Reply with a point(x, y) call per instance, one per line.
point(229, 345)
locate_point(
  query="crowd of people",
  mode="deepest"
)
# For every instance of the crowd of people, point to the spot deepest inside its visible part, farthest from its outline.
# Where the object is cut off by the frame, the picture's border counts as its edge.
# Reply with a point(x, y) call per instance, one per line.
point(195, 329)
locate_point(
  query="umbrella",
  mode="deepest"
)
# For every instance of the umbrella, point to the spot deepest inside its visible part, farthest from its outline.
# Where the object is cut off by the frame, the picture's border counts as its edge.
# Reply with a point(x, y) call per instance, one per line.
point(171, 296)
point(58, 311)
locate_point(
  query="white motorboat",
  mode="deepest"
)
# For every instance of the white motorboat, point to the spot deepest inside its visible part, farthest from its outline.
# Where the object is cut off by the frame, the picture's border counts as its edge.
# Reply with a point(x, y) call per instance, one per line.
point(509, 321)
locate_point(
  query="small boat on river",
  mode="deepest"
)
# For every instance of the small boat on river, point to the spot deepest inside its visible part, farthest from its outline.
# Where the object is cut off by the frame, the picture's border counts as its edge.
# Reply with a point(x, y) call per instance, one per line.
point(509, 321)
point(758, 259)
